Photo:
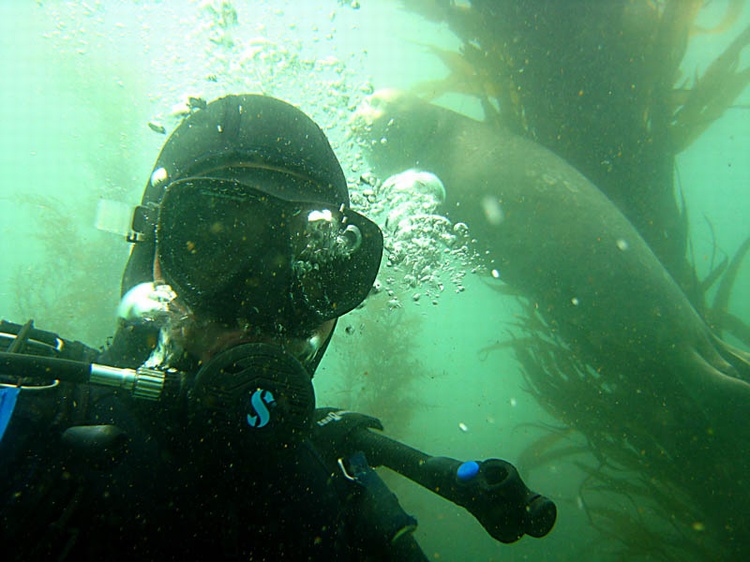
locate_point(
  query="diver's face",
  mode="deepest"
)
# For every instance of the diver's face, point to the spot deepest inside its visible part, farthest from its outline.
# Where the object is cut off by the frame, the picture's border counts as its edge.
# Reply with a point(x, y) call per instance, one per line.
point(204, 337)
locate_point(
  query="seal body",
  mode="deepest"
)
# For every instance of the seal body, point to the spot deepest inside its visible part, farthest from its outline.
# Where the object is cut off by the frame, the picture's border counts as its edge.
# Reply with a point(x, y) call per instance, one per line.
point(560, 241)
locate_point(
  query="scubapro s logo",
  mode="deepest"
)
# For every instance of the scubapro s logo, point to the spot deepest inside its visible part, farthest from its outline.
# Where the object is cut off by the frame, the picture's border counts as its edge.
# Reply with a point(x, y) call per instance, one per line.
point(259, 402)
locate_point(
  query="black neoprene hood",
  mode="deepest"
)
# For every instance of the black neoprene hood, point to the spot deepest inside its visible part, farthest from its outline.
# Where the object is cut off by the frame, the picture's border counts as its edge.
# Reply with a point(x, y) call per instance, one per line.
point(240, 137)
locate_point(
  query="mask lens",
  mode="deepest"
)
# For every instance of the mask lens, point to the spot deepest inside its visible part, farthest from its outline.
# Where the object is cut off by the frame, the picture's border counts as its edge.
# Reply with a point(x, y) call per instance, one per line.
point(237, 252)
point(199, 229)
point(336, 259)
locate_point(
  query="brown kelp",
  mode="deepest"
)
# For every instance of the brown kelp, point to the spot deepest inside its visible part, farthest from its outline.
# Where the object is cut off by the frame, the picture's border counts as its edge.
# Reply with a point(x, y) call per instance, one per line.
point(381, 371)
point(72, 276)
point(659, 492)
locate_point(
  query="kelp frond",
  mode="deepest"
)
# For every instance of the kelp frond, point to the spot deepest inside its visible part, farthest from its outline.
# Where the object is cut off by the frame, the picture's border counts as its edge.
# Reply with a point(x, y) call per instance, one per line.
point(466, 75)
point(711, 95)
point(718, 316)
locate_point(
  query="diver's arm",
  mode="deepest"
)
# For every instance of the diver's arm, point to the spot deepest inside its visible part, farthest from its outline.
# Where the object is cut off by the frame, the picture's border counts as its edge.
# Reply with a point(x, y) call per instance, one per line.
point(380, 526)
point(491, 490)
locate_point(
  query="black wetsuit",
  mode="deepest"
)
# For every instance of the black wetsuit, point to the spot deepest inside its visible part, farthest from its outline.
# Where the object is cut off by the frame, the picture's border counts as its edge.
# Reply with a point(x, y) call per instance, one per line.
point(158, 496)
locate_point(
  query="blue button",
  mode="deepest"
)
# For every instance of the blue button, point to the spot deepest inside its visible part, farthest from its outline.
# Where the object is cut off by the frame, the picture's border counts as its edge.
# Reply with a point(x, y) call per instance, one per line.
point(467, 471)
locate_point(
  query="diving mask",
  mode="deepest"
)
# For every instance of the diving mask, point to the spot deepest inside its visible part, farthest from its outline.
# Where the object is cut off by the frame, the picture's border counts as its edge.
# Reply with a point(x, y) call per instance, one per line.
point(241, 256)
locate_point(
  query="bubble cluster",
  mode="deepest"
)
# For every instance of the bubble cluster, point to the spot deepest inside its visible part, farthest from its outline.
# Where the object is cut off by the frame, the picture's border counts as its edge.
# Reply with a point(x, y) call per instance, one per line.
point(425, 253)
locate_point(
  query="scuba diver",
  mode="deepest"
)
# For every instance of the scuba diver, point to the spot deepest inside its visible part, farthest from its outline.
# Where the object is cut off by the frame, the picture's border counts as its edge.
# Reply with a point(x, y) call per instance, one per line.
point(194, 433)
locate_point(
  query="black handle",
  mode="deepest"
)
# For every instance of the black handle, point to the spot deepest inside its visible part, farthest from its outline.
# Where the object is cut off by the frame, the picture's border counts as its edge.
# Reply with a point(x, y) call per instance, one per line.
point(491, 490)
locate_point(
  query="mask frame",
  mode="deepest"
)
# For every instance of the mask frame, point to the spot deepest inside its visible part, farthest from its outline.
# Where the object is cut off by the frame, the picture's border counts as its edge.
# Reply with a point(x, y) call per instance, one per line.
point(237, 254)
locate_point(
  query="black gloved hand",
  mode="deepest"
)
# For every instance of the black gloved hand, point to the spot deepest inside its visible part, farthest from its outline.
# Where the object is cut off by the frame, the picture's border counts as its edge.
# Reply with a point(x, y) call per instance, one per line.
point(333, 427)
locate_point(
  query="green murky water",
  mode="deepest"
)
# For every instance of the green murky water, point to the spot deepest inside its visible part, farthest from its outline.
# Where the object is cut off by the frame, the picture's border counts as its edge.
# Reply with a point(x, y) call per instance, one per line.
point(81, 81)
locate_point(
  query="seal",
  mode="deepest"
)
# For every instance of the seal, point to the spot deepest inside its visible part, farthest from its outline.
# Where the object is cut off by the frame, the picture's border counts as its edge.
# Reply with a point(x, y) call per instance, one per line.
point(561, 242)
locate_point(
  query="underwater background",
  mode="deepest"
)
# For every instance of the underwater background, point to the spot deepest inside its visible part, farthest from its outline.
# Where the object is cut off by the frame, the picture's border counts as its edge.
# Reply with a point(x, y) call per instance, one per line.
point(87, 88)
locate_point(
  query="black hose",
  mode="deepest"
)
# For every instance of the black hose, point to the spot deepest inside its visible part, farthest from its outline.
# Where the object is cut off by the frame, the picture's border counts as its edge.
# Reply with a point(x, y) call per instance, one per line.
point(383, 451)
point(18, 365)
